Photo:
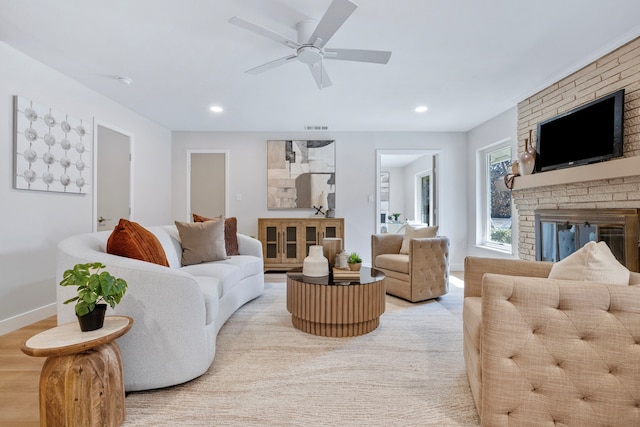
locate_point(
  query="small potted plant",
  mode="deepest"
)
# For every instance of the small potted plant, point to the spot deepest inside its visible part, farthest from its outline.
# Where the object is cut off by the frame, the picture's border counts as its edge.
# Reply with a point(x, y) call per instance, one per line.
point(96, 289)
point(395, 216)
point(355, 262)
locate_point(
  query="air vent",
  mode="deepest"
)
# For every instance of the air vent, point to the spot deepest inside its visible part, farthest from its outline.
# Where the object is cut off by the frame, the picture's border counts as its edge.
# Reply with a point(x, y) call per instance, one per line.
point(316, 128)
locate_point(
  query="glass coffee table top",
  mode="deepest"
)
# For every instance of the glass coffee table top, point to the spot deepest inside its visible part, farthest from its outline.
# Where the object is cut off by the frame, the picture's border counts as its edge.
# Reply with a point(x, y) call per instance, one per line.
point(340, 277)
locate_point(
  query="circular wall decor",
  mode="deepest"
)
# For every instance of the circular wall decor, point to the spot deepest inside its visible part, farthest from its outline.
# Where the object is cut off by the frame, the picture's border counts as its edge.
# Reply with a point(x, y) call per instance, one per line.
point(52, 149)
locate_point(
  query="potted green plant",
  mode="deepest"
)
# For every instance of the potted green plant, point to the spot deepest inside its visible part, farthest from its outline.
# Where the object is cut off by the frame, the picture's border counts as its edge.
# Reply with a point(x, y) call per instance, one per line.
point(355, 262)
point(96, 289)
point(395, 216)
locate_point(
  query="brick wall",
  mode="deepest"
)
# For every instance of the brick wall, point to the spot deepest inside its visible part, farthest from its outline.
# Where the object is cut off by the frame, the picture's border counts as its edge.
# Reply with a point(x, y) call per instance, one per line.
point(616, 70)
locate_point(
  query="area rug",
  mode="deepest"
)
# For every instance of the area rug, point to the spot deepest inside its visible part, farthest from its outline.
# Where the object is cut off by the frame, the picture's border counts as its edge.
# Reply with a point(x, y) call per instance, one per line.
point(407, 372)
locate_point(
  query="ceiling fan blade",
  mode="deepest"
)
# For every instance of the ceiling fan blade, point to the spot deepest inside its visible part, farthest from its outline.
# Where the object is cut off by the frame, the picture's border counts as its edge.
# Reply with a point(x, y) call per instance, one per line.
point(320, 75)
point(265, 32)
point(333, 18)
point(269, 65)
point(361, 55)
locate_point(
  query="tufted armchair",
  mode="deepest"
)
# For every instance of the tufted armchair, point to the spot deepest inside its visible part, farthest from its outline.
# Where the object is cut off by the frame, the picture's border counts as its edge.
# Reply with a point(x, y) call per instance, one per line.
point(420, 275)
point(550, 352)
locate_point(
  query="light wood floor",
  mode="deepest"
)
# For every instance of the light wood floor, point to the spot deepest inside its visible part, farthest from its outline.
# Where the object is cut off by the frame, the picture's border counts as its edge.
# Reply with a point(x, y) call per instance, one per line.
point(20, 374)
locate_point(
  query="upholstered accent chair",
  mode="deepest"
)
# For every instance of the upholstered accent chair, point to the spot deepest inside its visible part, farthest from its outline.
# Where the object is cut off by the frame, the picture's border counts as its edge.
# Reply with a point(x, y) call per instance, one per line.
point(541, 351)
point(420, 274)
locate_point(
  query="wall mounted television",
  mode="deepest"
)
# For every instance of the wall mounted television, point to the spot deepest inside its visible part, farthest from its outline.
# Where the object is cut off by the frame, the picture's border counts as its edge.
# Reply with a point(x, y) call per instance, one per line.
point(587, 134)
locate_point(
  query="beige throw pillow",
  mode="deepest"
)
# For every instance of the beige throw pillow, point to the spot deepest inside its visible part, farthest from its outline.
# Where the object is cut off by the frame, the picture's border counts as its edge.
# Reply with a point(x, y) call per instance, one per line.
point(202, 241)
point(230, 232)
point(416, 232)
point(594, 262)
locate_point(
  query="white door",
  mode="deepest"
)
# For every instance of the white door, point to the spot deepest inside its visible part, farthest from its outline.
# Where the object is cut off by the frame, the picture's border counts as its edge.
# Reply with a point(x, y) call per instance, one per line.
point(207, 183)
point(113, 178)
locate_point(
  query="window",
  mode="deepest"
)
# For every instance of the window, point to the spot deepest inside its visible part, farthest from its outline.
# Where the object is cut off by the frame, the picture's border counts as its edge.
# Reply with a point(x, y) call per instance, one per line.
point(497, 208)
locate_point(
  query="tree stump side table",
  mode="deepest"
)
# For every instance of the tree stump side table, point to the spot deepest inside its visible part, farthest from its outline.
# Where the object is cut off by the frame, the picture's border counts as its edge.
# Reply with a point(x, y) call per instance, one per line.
point(81, 383)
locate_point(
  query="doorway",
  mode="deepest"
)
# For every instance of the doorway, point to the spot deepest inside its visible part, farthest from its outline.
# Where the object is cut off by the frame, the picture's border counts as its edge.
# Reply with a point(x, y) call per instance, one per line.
point(207, 183)
point(406, 188)
point(112, 177)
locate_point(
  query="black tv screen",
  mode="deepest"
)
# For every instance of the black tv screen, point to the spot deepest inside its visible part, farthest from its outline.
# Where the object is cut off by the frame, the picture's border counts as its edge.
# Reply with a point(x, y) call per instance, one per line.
point(587, 134)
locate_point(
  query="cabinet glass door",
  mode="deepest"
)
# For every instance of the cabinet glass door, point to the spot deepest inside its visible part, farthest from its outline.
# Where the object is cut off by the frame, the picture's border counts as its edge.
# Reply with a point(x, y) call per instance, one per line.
point(331, 231)
point(271, 242)
point(310, 237)
point(290, 243)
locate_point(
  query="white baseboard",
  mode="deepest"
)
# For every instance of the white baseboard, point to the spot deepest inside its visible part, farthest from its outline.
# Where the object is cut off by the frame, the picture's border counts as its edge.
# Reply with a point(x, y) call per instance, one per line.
point(24, 319)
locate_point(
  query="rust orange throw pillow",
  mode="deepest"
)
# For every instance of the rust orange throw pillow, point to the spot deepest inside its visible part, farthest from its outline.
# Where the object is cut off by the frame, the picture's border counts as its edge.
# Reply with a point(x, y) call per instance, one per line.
point(131, 240)
point(230, 230)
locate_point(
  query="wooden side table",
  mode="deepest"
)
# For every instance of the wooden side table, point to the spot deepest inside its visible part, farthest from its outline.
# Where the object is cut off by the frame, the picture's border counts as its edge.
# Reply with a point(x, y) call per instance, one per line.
point(81, 383)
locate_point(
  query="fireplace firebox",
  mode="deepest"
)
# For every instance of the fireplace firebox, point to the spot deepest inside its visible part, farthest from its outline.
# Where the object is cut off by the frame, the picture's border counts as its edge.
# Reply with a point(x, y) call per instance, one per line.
point(560, 232)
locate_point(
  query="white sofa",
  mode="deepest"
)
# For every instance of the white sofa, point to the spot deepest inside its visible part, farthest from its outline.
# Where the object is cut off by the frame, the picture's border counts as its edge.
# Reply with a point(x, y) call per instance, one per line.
point(177, 310)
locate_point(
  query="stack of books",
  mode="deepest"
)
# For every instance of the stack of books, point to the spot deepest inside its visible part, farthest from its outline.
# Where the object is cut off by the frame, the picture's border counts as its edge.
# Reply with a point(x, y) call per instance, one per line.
point(339, 274)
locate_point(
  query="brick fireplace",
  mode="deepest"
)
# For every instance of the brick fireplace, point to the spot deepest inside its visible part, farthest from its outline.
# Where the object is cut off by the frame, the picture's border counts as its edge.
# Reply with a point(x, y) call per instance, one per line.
point(612, 184)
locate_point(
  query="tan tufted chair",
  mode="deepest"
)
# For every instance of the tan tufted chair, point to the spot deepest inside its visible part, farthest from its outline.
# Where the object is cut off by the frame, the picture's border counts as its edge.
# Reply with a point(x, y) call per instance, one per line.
point(550, 352)
point(421, 275)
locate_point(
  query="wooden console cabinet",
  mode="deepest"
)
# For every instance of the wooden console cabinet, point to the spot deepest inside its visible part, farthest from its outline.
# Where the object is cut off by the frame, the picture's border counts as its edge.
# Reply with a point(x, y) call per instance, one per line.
point(286, 241)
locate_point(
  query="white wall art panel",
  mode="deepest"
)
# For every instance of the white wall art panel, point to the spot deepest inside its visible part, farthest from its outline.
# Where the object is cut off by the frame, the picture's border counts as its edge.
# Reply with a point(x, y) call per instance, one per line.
point(53, 150)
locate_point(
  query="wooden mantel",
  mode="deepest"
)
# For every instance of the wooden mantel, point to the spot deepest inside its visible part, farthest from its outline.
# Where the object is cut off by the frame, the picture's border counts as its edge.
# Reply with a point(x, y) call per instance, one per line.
point(617, 168)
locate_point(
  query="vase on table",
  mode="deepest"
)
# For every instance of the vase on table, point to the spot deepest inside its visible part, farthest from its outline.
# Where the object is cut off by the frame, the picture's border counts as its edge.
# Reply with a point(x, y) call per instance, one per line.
point(316, 264)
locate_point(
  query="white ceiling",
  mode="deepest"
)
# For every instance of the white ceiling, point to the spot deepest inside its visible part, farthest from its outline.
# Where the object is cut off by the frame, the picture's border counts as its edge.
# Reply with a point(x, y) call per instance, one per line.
point(467, 60)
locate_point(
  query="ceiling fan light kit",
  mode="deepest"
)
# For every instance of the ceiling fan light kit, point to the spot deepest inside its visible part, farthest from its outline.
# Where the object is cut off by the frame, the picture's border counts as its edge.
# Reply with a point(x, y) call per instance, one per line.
point(311, 39)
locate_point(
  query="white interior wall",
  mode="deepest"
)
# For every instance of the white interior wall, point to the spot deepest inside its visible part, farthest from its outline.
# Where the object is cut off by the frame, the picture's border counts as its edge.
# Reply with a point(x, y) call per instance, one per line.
point(355, 179)
point(411, 170)
point(396, 191)
point(32, 223)
point(501, 127)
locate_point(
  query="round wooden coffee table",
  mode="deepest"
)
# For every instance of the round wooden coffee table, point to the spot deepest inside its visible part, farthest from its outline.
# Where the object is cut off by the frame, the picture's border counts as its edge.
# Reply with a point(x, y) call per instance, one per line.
point(333, 306)
point(81, 382)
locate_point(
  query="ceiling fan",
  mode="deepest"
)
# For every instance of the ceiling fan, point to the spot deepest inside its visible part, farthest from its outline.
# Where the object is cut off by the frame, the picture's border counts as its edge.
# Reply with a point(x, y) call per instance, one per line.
point(312, 37)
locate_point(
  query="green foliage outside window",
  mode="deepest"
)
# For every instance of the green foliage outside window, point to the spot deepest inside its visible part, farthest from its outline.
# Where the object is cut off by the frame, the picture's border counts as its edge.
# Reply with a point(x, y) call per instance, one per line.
point(499, 162)
point(501, 235)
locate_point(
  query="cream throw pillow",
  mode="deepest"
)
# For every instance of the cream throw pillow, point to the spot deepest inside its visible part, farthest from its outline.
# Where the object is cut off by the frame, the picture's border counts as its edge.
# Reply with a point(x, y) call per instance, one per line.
point(202, 241)
point(594, 262)
point(416, 232)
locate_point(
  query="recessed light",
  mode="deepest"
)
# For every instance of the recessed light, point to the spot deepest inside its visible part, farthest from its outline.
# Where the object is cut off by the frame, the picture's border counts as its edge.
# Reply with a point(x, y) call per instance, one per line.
point(421, 109)
point(216, 109)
